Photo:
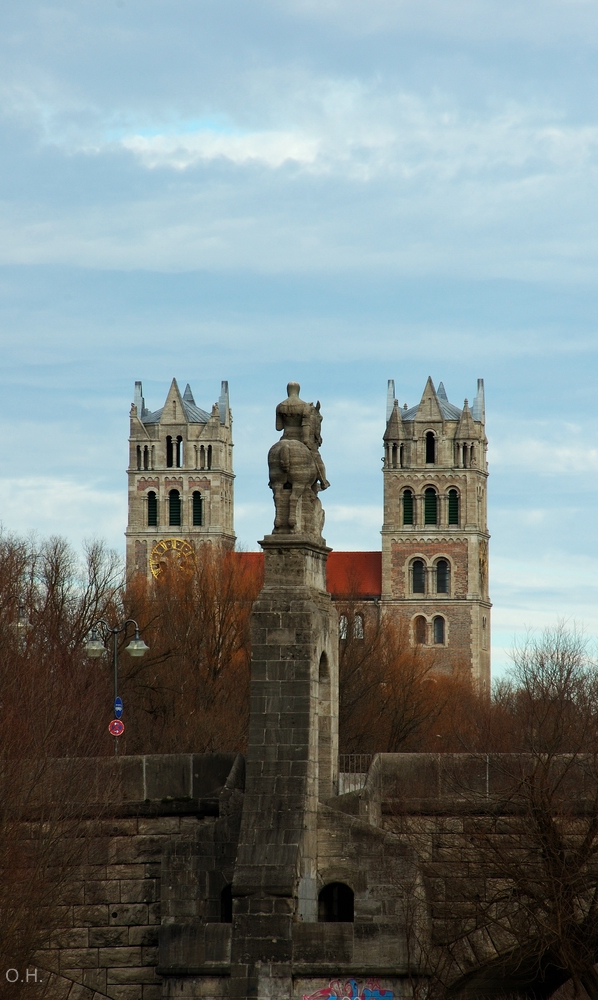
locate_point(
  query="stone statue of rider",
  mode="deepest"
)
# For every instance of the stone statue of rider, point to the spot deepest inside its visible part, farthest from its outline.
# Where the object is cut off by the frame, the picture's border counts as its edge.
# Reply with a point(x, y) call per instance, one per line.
point(296, 468)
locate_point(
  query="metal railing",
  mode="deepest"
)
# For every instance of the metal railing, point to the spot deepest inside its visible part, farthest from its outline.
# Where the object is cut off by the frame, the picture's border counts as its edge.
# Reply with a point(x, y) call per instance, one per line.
point(353, 771)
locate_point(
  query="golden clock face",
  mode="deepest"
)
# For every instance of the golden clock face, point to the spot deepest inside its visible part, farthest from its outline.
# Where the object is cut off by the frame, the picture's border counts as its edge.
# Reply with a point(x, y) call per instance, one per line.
point(173, 553)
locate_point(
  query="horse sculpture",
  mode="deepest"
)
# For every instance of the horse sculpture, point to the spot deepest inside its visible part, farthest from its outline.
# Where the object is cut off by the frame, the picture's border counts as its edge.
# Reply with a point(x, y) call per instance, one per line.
point(295, 466)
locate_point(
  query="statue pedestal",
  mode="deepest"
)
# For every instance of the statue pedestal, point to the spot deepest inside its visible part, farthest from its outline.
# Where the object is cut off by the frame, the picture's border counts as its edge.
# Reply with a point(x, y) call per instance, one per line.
point(294, 561)
point(291, 762)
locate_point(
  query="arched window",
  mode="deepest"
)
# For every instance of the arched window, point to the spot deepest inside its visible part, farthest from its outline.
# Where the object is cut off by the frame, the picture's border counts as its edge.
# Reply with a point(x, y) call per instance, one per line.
point(152, 509)
point(402, 457)
point(226, 905)
point(418, 571)
point(443, 576)
point(138, 456)
point(394, 456)
point(179, 452)
point(209, 456)
point(324, 669)
point(453, 507)
point(430, 506)
point(407, 507)
point(153, 455)
point(336, 903)
point(430, 448)
point(202, 457)
point(439, 630)
point(358, 627)
point(174, 508)
point(420, 627)
point(343, 627)
point(169, 452)
point(146, 456)
point(197, 509)
point(465, 456)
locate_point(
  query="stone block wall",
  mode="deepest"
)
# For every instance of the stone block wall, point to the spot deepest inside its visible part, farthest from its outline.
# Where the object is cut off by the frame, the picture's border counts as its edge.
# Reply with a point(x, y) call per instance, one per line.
point(105, 934)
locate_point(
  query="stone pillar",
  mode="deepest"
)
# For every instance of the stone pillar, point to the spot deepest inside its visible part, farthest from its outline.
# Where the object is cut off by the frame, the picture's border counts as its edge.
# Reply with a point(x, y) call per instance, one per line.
point(291, 762)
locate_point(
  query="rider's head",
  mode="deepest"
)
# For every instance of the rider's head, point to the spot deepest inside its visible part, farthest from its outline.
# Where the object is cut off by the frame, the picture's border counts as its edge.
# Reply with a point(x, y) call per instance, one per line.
point(293, 388)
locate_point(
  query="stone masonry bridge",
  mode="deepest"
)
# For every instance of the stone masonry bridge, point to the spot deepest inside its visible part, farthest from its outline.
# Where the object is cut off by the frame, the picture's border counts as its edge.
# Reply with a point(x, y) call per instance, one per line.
point(151, 913)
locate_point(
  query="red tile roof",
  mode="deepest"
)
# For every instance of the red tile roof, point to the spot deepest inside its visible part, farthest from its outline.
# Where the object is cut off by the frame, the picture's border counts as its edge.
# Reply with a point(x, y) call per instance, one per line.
point(349, 574)
point(354, 574)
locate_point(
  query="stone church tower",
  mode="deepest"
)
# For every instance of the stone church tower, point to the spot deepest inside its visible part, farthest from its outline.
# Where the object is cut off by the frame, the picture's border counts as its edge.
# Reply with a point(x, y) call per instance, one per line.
point(180, 479)
point(435, 534)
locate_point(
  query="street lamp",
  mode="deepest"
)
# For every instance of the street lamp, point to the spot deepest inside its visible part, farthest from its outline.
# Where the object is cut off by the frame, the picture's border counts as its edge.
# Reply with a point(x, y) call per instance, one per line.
point(96, 646)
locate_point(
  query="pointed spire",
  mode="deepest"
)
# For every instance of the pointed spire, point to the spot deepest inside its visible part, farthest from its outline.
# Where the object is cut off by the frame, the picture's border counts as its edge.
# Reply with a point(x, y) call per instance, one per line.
point(429, 408)
point(393, 427)
point(479, 405)
point(390, 398)
point(466, 426)
point(188, 395)
point(441, 392)
point(138, 400)
point(223, 403)
point(173, 410)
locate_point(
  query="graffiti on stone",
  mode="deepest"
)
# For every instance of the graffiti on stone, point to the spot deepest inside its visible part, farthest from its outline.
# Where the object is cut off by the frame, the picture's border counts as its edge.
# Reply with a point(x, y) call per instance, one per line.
point(350, 990)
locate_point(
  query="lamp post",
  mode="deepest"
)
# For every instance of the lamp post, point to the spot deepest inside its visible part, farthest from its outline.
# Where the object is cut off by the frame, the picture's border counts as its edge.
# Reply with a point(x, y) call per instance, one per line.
point(96, 647)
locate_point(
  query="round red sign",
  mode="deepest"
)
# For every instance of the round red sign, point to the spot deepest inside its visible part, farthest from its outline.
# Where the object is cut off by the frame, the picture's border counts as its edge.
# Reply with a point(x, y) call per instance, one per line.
point(117, 727)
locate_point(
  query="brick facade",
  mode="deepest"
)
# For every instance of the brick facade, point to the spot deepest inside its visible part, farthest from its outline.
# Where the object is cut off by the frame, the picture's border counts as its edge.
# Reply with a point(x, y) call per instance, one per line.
point(179, 447)
point(435, 500)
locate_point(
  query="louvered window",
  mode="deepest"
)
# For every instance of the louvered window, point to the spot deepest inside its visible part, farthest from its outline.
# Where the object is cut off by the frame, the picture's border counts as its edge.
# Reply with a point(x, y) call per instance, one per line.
point(152, 509)
point(430, 506)
point(419, 576)
point(174, 508)
point(453, 507)
point(197, 508)
point(439, 631)
point(407, 507)
point(442, 576)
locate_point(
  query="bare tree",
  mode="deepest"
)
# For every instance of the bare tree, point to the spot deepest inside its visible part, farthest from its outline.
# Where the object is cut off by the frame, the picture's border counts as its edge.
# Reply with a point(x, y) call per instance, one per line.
point(390, 694)
point(191, 692)
point(520, 903)
point(50, 707)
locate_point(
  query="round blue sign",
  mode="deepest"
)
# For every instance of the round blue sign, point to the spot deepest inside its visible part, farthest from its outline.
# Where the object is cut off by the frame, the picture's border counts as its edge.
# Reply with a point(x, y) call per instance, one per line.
point(118, 707)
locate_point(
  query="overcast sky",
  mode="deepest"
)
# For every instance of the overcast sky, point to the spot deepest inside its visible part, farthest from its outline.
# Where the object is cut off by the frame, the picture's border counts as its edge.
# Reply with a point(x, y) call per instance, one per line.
point(333, 191)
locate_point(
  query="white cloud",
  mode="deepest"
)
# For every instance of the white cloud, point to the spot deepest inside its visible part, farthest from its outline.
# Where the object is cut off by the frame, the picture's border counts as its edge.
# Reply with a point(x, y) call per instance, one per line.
point(270, 149)
point(559, 450)
point(364, 131)
point(65, 507)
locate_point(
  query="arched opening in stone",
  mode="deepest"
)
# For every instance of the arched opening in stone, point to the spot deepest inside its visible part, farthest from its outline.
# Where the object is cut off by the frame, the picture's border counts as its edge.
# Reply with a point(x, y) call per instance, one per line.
point(336, 903)
point(226, 905)
point(430, 448)
point(420, 628)
point(152, 509)
point(174, 508)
